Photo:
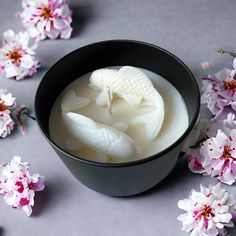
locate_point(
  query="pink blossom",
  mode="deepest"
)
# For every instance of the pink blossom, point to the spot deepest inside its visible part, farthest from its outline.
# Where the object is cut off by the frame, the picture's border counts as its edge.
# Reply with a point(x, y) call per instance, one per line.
point(207, 212)
point(18, 186)
point(7, 102)
point(219, 91)
point(10, 115)
point(220, 156)
point(47, 18)
point(216, 157)
point(215, 154)
point(16, 56)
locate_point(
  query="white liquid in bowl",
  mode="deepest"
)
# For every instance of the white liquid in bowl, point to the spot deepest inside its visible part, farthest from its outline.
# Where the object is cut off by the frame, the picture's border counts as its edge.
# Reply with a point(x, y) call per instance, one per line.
point(176, 119)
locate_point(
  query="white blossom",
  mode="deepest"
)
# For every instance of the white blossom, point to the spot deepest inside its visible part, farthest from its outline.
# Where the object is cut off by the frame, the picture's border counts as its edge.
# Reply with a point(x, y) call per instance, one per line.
point(47, 18)
point(207, 212)
point(17, 58)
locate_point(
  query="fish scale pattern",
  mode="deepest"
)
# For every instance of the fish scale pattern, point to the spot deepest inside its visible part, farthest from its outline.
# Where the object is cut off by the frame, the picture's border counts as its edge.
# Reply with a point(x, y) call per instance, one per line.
point(129, 80)
point(101, 133)
point(108, 138)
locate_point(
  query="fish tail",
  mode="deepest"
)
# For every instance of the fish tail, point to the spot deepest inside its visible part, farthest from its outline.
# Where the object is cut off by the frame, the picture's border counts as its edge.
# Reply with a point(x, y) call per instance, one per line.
point(152, 121)
point(71, 102)
point(82, 102)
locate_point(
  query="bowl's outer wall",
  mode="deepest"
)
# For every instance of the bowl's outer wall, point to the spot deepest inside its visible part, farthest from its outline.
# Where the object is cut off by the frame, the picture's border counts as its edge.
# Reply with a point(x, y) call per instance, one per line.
point(128, 179)
point(122, 181)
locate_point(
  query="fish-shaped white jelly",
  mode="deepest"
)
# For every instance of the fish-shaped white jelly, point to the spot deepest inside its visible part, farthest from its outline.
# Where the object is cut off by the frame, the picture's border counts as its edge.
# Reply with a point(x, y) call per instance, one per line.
point(134, 87)
point(106, 140)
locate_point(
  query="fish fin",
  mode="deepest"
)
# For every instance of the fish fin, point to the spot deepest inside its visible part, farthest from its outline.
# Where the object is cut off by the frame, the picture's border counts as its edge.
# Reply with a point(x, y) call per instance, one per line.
point(121, 126)
point(132, 99)
point(152, 121)
point(100, 157)
point(103, 97)
point(72, 144)
point(70, 101)
point(80, 120)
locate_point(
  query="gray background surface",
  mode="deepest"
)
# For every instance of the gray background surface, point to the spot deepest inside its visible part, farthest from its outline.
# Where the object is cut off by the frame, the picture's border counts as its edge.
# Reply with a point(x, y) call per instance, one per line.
point(191, 29)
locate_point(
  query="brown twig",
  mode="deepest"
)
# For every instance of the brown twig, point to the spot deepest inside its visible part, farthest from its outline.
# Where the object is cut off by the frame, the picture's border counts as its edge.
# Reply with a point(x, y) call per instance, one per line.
point(221, 50)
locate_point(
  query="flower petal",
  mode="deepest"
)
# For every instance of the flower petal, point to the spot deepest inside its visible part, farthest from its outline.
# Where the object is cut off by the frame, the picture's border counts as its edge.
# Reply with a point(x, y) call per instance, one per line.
point(9, 36)
point(11, 71)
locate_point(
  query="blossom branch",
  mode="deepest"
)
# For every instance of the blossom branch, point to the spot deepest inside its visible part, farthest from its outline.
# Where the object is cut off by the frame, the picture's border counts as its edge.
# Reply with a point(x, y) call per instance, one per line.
point(221, 50)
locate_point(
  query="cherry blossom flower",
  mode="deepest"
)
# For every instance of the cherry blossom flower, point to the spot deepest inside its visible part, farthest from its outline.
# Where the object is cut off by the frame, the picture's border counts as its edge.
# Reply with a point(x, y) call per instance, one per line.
point(214, 154)
point(18, 186)
point(17, 58)
point(219, 91)
point(220, 156)
point(7, 101)
point(10, 115)
point(208, 212)
point(47, 18)
point(216, 157)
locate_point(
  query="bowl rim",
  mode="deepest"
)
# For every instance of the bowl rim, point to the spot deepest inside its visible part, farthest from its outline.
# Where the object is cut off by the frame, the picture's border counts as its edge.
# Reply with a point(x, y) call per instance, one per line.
point(129, 163)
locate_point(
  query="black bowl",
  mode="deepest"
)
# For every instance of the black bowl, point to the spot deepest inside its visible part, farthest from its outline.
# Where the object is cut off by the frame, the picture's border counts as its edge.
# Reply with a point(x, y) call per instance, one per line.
point(121, 179)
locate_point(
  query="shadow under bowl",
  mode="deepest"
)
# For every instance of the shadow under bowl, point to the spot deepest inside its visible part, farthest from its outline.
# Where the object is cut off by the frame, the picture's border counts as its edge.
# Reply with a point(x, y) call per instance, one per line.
point(118, 179)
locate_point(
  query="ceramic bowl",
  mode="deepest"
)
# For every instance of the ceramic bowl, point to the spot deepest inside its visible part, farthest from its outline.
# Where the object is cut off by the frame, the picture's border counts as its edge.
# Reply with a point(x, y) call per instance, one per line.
point(120, 179)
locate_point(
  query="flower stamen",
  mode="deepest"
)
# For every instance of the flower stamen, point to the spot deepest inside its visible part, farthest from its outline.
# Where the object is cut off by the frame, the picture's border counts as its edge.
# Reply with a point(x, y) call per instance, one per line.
point(14, 56)
point(3, 107)
point(231, 84)
point(227, 153)
point(207, 212)
point(46, 12)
